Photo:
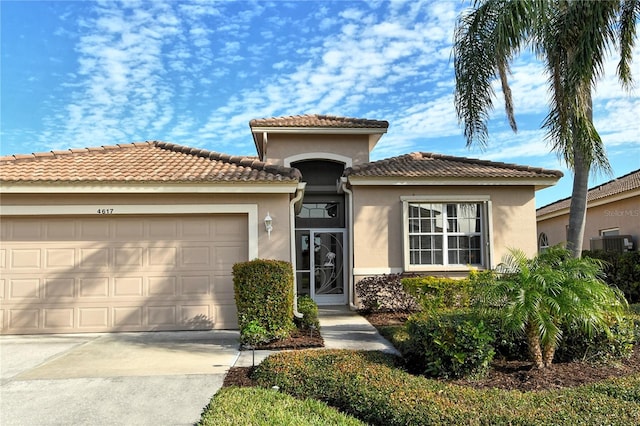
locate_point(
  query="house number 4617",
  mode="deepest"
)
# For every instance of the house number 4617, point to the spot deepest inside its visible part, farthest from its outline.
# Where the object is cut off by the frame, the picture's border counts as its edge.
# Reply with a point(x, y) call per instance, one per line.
point(105, 211)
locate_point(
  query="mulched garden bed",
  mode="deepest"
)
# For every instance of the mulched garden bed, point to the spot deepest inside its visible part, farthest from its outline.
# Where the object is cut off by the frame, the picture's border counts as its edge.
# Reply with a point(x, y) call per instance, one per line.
point(509, 375)
point(299, 339)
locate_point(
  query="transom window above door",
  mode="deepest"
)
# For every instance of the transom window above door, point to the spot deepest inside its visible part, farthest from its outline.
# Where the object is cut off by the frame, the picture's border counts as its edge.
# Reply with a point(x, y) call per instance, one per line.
point(321, 211)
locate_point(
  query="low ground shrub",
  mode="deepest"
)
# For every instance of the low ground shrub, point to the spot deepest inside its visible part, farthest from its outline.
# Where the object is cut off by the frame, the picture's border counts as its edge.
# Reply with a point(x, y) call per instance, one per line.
point(309, 310)
point(369, 386)
point(384, 293)
point(264, 296)
point(256, 406)
point(448, 344)
point(577, 345)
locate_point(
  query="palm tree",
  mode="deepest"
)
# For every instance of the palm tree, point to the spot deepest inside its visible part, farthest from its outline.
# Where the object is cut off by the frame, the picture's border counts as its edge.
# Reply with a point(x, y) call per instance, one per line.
point(572, 38)
point(539, 297)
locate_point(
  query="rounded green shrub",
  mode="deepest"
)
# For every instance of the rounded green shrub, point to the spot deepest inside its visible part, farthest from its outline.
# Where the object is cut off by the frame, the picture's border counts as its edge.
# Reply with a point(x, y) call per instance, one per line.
point(448, 344)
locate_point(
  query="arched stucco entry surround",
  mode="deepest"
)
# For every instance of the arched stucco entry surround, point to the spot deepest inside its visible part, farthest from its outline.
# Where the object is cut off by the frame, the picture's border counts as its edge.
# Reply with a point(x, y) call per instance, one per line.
point(328, 232)
point(347, 161)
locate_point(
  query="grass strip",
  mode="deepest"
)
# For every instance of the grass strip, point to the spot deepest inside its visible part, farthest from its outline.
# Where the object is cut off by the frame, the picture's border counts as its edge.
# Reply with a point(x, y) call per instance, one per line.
point(235, 406)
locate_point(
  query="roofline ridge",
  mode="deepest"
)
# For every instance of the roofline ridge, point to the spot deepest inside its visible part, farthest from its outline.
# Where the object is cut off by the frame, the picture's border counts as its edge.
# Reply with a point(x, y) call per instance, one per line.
point(55, 153)
point(496, 163)
point(241, 161)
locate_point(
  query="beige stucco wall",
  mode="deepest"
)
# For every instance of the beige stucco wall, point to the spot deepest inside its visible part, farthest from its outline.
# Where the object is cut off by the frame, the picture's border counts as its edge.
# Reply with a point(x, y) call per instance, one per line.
point(623, 214)
point(277, 205)
point(378, 227)
point(283, 146)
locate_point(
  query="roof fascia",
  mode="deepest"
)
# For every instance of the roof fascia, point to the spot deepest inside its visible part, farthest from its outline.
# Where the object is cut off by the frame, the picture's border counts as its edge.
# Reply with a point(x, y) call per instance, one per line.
point(539, 183)
point(321, 130)
point(150, 188)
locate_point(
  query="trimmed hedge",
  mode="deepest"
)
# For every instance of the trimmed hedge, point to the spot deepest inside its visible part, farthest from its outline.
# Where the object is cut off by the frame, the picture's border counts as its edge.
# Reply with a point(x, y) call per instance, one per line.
point(369, 386)
point(622, 271)
point(440, 293)
point(385, 293)
point(436, 293)
point(264, 297)
point(255, 406)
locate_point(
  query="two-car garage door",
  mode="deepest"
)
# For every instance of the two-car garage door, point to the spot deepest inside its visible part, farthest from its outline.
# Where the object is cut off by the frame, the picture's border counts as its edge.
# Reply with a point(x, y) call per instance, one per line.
point(119, 273)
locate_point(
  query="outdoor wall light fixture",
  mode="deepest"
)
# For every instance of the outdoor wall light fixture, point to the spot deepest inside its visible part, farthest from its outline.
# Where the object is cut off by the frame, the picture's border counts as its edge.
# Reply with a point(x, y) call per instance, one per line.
point(268, 224)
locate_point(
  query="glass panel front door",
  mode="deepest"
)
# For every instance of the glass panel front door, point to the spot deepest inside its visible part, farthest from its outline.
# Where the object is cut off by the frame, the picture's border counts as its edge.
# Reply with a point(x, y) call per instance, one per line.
point(321, 265)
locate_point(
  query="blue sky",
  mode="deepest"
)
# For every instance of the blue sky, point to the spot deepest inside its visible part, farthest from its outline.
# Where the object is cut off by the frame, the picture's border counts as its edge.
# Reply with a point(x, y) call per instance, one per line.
point(87, 73)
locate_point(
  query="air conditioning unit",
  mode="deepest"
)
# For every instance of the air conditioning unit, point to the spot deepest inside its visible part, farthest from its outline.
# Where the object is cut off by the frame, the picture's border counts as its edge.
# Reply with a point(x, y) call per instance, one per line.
point(617, 243)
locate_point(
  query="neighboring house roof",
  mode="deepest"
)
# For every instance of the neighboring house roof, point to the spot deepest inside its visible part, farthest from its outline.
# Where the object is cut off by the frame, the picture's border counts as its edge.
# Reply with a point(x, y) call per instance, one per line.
point(425, 165)
point(619, 185)
point(319, 121)
point(150, 161)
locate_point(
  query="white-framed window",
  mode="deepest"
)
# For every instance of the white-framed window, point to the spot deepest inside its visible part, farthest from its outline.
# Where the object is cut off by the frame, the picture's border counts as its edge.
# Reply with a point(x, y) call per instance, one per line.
point(447, 233)
point(543, 242)
point(609, 232)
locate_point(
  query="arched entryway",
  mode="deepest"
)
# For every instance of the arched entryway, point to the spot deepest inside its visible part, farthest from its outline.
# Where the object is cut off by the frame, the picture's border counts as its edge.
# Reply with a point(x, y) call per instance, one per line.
point(321, 255)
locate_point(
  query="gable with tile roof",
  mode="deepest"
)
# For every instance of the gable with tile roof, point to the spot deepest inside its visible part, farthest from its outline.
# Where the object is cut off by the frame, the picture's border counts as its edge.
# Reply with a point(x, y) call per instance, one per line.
point(143, 236)
point(613, 209)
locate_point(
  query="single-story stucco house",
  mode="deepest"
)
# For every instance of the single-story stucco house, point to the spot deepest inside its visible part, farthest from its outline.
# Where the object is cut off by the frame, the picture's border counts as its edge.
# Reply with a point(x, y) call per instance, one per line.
point(612, 218)
point(143, 236)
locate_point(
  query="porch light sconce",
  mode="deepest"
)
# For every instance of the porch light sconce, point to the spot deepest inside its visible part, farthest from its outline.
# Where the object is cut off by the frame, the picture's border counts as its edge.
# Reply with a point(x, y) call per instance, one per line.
point(268, 224)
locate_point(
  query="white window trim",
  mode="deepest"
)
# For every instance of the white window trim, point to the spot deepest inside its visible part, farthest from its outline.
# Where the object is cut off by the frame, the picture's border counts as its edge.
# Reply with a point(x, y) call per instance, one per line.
point(541, 248)
point(602, 231)
point(486, 239)
point(109, 210)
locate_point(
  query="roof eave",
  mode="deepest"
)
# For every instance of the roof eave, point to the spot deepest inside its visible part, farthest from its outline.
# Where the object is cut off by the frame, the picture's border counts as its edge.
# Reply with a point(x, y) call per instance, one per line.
point(231, 187)
point(320, 130)
point(538, 183)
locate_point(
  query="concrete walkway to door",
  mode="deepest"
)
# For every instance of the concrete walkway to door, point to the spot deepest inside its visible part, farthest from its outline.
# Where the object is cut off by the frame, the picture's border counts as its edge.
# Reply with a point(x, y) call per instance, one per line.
point(341, 328)
point(157, 378)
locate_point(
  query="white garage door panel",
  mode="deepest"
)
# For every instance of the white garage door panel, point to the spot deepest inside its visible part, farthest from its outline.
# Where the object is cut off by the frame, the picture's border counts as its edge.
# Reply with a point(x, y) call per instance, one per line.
point(119, 273)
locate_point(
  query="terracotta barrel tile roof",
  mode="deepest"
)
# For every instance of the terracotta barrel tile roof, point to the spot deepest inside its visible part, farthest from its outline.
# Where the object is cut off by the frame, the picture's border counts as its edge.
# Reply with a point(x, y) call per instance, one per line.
point(429, 165)
point(151, 161)
point(317, 120)
point(624, 183)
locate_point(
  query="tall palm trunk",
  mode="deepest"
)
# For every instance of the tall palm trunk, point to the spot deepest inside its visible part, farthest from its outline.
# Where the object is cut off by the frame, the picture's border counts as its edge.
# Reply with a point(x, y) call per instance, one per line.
point(578, 209)
point(533, 342)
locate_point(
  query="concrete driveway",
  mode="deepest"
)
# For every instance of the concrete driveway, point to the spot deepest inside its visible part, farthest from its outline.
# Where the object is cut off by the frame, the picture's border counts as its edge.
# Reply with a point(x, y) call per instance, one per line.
point(161, 378)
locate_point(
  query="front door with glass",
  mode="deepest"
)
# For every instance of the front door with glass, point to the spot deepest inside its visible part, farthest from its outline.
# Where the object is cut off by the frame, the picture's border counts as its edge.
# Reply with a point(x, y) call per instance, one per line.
point(321, 265)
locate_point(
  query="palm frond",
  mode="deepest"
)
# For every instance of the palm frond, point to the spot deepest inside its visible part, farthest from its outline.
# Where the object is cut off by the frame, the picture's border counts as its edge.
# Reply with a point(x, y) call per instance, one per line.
point(629, 16)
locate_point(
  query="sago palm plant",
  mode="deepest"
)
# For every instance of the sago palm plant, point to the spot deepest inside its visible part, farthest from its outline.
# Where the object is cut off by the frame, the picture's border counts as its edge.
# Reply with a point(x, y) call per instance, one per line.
point(538, 296)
